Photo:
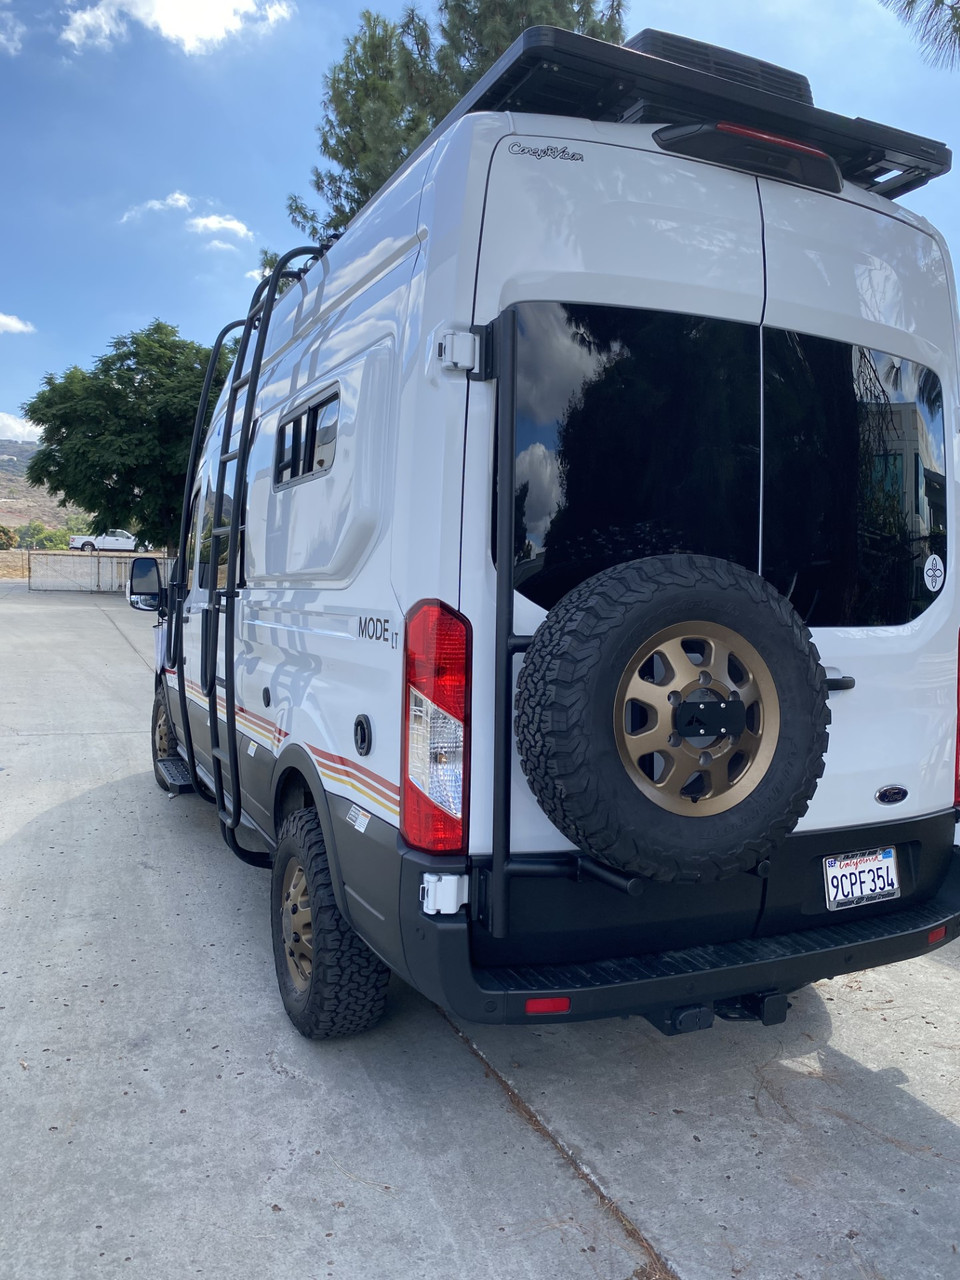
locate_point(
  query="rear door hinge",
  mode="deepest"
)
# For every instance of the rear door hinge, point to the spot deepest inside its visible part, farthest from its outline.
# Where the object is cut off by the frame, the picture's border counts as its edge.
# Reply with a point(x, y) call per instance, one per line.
point(459, 351)
point(443, 895)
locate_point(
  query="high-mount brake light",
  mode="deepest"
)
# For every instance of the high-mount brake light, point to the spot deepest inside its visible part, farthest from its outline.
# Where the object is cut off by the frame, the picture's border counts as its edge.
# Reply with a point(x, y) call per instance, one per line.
point(751, 150)
point(435, 753)
point(774, 139)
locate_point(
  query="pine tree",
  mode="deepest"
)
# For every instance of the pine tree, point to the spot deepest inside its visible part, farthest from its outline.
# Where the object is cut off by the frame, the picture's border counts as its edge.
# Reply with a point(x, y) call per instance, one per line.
point(396, 81)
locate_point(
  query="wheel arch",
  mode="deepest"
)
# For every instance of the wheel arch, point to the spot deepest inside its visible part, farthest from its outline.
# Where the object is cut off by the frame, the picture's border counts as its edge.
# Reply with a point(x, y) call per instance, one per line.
point(297, 785)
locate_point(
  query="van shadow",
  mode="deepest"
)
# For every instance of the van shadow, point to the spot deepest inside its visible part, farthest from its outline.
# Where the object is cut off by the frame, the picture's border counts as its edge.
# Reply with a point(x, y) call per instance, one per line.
point(826, 1146)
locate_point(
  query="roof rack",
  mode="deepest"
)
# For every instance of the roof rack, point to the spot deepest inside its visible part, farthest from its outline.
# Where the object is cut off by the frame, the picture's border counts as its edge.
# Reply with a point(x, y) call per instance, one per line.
point(555, 72)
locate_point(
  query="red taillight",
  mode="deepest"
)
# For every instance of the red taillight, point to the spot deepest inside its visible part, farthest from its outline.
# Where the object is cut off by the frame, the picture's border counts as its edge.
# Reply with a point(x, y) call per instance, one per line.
point(956, 773)
point(774, 139)
point(547, 1004)
point(435, 753)
point(936, 935)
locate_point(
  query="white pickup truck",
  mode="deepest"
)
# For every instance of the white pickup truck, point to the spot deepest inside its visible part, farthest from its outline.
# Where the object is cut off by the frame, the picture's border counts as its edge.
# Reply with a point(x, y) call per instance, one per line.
point(112, 540)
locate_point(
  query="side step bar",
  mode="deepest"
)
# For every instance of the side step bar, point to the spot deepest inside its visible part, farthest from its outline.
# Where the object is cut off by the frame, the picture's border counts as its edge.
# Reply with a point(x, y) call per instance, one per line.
point(176, 774)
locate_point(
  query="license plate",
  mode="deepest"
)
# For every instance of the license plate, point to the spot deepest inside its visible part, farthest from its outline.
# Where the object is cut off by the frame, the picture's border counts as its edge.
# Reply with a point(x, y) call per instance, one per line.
point(855, 878)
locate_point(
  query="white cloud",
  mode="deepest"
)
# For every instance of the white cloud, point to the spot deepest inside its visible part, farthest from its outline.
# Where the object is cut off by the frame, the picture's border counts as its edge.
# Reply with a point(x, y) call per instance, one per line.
point(253, 275)
point(232, 226)
point(13, 324)
point(175, 200)
point(537, 467)
point(12, 32)
point(222, 244)
point(14, 428)
point(195, 27)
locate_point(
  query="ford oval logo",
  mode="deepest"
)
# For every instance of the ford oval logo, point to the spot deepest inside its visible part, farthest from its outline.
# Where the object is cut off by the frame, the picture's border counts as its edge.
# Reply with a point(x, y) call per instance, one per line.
point(891, 795)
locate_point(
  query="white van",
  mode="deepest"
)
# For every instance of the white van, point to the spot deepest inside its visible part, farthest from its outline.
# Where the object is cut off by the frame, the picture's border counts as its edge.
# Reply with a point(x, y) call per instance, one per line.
point(546, 522)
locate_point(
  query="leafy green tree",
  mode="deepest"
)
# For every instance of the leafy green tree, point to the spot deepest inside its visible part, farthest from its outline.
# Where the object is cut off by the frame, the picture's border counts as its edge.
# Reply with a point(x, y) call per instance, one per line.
point(936, 24)
point(35, 536)
point(76, 523)
point(116, 438)
point(396, 81)
point(8, 539)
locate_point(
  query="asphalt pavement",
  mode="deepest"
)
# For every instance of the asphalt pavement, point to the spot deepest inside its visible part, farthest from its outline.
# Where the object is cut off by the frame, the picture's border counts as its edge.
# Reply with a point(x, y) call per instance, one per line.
point(162, 1118)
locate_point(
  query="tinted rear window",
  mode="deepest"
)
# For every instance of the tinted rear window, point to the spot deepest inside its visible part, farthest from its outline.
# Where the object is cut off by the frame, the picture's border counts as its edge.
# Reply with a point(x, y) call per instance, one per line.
point(641, 433)
point(638, 434)
point(854, 481)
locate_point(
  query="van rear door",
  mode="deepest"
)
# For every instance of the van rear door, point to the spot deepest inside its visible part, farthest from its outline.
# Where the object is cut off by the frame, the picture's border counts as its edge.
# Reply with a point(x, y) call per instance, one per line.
point(859, 362)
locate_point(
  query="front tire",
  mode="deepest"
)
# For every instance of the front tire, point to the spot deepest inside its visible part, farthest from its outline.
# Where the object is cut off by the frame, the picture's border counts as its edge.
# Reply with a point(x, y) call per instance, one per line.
point(331, 983)
point(163, 738)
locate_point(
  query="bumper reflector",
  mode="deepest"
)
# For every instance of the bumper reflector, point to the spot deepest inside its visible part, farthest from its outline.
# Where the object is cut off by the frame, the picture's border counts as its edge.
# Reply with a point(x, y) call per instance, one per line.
point(936, 935)
point(547, 1004)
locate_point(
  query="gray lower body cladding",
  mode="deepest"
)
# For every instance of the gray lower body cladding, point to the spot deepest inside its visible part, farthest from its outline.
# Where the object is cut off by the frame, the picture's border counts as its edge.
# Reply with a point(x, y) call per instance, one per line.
point(771, 941)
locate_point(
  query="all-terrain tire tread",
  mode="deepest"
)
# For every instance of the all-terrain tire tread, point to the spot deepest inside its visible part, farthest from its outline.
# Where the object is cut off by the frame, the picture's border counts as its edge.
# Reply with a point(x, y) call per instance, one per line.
point(347, 992)
point(553, 694)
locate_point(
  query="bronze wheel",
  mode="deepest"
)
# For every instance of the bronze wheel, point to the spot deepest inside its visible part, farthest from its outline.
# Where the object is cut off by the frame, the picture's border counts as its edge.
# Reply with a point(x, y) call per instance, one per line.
point(163, 738)
point(696, 718)
point(296, 925)
point(330, 982)
point(671, 718)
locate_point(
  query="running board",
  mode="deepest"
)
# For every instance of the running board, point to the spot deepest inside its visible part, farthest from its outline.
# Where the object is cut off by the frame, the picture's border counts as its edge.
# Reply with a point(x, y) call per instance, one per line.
point(176, 774)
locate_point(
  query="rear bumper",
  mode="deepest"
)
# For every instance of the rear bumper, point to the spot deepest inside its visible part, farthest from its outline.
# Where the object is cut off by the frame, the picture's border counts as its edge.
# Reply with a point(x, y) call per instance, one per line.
point(437, 954)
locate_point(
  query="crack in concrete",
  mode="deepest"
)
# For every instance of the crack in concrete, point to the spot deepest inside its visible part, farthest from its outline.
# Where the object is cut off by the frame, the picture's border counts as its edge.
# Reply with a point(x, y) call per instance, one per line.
point(654, 1267)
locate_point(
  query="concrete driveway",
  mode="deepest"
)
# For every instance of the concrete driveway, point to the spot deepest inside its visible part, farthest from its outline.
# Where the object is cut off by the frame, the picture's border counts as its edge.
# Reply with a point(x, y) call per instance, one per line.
point(161, 1117)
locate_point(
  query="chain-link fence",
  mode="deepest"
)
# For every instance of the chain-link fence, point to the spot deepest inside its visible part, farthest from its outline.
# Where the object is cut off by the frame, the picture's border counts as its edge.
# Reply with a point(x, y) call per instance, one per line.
point(84, 571)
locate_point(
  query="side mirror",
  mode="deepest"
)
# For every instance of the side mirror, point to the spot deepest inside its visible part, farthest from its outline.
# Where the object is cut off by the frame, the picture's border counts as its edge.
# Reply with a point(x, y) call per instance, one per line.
point(145, 584)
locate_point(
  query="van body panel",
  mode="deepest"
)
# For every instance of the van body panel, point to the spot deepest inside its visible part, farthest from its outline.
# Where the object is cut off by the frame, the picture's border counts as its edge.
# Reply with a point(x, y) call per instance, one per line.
point(619, 225)
point(840, 270)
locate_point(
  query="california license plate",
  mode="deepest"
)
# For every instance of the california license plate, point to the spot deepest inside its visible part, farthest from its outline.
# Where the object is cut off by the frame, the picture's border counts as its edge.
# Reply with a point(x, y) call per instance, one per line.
point(855, 878)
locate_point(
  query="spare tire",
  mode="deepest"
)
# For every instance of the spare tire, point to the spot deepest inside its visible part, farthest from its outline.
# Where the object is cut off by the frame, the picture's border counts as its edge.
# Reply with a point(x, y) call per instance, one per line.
point(671, 718)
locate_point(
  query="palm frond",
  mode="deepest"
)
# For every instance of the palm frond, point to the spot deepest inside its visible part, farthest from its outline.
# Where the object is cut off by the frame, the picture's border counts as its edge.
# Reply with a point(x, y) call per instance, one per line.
point(936, 25)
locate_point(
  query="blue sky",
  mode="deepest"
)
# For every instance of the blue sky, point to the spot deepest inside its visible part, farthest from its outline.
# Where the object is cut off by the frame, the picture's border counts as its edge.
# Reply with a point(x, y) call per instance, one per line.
point(149, 145)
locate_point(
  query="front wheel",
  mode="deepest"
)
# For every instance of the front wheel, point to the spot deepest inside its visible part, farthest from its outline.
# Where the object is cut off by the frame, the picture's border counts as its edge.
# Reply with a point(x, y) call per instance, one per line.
point(163, 738)
point(331, 983)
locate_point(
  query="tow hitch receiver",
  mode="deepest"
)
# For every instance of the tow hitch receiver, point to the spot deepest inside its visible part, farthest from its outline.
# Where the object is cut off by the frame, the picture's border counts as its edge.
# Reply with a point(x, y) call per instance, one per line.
point(766, 1007)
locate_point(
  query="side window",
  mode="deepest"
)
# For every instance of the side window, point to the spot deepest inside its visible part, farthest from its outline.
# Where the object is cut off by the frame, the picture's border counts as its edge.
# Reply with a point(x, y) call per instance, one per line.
point(191, 550)
point(325, 418)
point(206, 540)
point(289, 450)
point(307, 443)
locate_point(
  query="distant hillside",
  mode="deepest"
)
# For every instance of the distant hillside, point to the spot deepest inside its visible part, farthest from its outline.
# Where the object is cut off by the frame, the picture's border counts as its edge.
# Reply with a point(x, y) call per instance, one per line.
point(19, 503)
point(14, 456)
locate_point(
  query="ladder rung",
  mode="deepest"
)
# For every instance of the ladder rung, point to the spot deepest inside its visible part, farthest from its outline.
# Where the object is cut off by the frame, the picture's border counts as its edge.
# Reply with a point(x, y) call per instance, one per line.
point(221, 531)
point(222, 754)
point(232, 456)
point(239, 383)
